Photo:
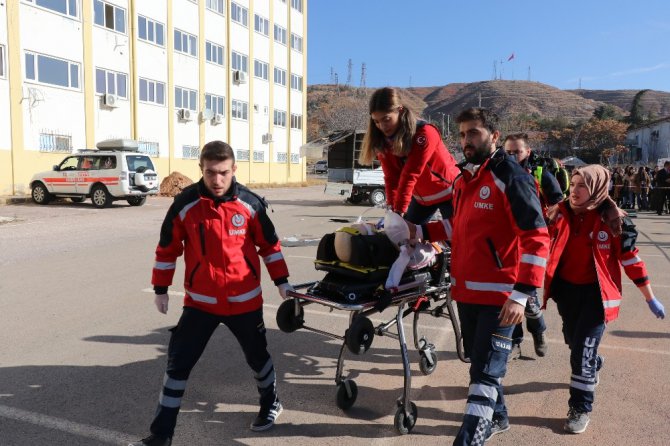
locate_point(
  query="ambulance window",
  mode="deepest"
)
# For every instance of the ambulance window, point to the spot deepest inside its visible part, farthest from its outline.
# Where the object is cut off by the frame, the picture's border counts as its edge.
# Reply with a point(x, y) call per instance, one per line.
point(69, 163)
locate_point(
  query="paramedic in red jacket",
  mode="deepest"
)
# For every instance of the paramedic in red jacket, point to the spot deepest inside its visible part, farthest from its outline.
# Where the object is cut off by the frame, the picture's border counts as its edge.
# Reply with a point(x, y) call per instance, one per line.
point(217, 224)
point(499, 247)
point(418, 169)
point(591, 239)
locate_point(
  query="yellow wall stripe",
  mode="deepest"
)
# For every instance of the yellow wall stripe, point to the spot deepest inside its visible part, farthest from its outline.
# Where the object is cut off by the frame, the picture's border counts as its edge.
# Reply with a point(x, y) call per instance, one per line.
point(15, 72)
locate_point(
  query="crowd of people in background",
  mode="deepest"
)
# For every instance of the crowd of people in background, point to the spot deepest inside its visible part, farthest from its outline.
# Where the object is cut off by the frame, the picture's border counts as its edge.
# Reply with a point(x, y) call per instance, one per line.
point(641, 188)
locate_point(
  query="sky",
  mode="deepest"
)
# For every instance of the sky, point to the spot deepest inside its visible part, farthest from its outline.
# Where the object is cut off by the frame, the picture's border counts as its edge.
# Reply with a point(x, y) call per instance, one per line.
point(598, 44)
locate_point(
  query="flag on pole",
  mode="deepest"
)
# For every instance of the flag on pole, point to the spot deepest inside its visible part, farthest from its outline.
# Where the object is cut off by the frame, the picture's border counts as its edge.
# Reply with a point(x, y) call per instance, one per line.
point(510, 57)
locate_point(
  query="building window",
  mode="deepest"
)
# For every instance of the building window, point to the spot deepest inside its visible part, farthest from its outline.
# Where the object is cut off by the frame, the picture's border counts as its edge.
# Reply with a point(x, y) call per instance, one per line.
point(148, 147)
point(296, 82)
point(280, 76)
point(66, 7)
point(152, 92)
point(297, 5)
point(185, 98)
point(111, 82)
point(280, 118)
point(262, 25)
point(55, 142)
point(52, 71)
point(282, 157)
point(239, 14)
point(217, 6)
point(240, 110)
point(2, 61)
point(185, 43)
point(259, 156)
point(214, 53)
point(280, 34)
point(240, 62)
point(241, 155)
point(109, 16)
point(295, 158)
point(260, 69)
point(296, 42)
point(296, 121)
point(150, 30)
point(215, 103)
point(190, 152)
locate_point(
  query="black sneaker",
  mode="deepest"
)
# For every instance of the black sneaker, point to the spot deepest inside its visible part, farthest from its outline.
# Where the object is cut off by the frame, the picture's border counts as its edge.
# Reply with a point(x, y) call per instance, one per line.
point(153, 440)
point(540, 344)
point(266, 417)
point(498, 426)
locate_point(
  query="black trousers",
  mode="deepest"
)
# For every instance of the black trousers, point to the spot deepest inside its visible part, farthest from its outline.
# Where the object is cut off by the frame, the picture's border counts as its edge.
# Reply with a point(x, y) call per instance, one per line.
point(187, 343)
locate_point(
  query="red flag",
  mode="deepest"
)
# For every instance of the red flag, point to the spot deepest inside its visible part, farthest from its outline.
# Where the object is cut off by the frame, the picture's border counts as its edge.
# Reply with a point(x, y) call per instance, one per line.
point(510, 57)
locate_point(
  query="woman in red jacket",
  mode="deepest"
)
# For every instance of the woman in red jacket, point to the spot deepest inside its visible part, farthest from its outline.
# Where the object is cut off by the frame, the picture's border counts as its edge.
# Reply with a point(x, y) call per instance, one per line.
point(591, 238)
point(418, 169)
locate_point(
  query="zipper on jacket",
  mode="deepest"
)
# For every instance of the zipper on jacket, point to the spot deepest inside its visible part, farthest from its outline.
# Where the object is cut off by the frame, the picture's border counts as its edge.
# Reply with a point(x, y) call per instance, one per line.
point(496, 257)
point(251, 267)
point(190, 277)
point(202, 238)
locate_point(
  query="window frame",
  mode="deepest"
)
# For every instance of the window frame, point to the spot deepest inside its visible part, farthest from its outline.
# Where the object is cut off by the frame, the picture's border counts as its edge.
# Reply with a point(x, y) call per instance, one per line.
point(242, 21)
point(282, 75)
point(191, 41)
point(3, 70)
point(67, 14)
point(297, 5)
point(209, 49)
point(296, 38)
point(216, 10)
point(155, 91)
point(36, 72)
point(298, 120)
point(210, 97)
point(265, 66)
point(243, 59)
point(115, 8)
point(147, 20)
point(260, 19)
point(244, 113)
point(282, 33)
point(188, 94)
point(279, 118)
point(116, 82)
point(298, 82)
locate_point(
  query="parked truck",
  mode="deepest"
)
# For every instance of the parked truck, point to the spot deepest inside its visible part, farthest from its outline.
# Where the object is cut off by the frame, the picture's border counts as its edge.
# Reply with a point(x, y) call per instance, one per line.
point(346, 177)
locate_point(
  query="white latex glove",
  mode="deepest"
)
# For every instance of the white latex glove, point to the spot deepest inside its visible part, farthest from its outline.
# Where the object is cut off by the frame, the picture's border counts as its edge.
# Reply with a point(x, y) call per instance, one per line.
point(283, 289)
point(161, 301)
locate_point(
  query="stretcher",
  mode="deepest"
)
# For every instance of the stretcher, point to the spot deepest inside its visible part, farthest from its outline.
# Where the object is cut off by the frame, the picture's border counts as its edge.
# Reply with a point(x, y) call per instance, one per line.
point(424, 291)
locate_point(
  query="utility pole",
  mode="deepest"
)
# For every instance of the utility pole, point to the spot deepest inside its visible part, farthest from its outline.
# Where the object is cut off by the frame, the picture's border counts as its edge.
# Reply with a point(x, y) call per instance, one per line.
point(349, 67)
point(528, 73)
point(363, 75)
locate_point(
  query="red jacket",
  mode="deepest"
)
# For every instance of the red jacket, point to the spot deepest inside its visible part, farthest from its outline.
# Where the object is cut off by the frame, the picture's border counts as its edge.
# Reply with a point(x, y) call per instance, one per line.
point(218, 238)
point(499, 239)
point(609, 253)
point(426, 173)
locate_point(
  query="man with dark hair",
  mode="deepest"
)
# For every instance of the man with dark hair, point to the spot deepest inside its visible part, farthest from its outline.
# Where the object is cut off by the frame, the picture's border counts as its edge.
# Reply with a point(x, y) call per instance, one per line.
point(516, 144)
point(217, 224)
point(662, 187)
point(499, 246)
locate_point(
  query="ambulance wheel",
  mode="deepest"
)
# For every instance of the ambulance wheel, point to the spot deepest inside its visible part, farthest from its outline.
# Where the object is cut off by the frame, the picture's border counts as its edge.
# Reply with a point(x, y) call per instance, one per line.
point(40, 194)
point(287, 320)
point(405, 423)
point(347, 391)
point(377, 197)
point(137, 201)
point(428, 367)
point(360, 334)
point(100, 197)
point(77, 199)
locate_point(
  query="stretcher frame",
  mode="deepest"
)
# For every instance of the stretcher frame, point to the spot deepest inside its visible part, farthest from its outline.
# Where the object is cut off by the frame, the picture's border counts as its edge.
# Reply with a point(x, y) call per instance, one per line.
point(417, 297)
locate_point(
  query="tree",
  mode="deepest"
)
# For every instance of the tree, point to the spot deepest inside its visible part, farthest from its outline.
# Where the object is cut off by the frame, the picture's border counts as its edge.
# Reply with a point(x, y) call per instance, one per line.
point(348, 111)
point(636, 113)
point(599, 135)
point(607, 111)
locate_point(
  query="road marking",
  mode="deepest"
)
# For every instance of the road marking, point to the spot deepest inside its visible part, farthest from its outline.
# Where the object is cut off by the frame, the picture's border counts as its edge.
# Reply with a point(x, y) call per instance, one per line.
point(60, 424)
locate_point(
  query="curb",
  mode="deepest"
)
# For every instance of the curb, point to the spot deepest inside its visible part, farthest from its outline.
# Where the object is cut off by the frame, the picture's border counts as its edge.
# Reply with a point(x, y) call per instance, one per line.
point(14, 199)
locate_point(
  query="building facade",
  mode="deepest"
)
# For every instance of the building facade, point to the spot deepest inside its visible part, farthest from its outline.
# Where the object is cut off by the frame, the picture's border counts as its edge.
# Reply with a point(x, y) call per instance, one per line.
point(171, 74)
point(650, 141)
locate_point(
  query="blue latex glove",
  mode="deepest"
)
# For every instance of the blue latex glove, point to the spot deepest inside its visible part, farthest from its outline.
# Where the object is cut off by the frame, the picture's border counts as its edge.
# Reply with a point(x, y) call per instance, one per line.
point(380, 223)
point(656, 307)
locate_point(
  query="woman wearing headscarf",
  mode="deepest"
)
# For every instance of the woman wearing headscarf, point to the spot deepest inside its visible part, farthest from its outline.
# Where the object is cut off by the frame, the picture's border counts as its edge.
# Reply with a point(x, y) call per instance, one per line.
point(591, 238)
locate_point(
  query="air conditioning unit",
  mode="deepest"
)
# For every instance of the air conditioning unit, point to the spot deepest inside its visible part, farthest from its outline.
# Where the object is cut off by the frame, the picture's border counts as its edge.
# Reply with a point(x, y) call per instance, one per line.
point(185, 114)
point(110, 100)
point(217, 119)
point(267, 138)
point(239, 77)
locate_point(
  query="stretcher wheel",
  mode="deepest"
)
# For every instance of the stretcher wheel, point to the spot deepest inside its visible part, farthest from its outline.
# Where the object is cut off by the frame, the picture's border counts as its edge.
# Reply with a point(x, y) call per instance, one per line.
point(347, 391)
point(405, 423)
point(360, 334)
point(427, 367)
point(287, 320)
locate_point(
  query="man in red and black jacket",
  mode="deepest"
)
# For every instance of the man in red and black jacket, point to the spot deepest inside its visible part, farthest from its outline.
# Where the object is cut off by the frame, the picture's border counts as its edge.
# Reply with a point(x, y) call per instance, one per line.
point(499, 246)
point(217, 224)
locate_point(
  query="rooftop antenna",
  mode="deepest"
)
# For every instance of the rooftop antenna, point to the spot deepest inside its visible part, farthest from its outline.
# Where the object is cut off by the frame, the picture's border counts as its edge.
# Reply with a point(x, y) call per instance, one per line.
point(349, 67)
point(495, 70)
point(528, 73)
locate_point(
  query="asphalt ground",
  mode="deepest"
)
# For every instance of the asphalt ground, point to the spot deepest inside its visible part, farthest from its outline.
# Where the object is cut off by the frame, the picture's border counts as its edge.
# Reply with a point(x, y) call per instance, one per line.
point(83, 351)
